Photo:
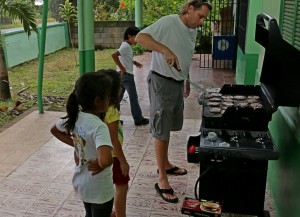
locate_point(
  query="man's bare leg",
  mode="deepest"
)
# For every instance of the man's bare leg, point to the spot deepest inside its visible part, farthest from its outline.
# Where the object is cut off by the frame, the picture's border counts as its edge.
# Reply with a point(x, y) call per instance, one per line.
point(168, 164)
point(161, 151)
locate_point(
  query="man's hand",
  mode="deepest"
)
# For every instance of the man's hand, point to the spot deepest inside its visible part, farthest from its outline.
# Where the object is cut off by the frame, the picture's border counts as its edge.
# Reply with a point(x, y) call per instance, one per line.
point(187, 89)
point(94, 167)
point(177, 67)
point(137, 64)
point(170, 57)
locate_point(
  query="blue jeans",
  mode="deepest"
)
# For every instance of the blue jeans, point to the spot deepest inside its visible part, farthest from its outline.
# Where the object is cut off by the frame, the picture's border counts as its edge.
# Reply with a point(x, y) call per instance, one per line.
point(97, 210)
point(128, 84)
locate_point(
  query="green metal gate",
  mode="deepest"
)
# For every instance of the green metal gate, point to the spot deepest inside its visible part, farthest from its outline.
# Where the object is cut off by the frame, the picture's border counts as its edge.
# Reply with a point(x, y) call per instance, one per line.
point(216, 40)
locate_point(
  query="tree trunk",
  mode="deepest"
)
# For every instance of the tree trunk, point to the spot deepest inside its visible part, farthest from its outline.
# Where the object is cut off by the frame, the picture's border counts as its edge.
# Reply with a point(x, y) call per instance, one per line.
point(4, 83)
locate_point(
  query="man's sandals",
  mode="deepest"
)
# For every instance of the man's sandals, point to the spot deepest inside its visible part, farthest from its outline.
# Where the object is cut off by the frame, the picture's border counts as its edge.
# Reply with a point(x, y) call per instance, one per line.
point(175, 171)
point(161, 191)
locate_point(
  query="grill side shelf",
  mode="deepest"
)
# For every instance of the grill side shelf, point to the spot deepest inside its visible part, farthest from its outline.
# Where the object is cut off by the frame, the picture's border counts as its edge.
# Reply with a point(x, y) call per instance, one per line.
point(254, 145)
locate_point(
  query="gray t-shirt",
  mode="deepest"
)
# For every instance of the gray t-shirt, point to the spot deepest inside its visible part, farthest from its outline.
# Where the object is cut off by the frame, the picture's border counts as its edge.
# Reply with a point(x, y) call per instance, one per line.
point(173, 33)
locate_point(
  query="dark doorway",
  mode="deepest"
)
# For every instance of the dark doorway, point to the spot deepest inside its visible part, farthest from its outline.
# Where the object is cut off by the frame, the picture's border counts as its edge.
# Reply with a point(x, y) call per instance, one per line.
point(216, 41)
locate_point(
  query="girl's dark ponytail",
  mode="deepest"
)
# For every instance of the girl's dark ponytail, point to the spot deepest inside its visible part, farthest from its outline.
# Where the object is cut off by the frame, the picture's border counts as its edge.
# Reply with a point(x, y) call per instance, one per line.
point(87, 88)
point(72, 108)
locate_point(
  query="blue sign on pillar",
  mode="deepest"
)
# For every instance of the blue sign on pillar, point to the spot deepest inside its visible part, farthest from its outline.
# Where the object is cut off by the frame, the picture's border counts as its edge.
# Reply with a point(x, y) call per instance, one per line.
point(223, 47)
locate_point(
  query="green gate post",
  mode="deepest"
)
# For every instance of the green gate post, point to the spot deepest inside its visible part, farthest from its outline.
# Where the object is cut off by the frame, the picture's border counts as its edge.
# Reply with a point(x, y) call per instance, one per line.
point(80, 37)
point(139, 14)
point(86, 41)
point(89, 38)
point(42, 43)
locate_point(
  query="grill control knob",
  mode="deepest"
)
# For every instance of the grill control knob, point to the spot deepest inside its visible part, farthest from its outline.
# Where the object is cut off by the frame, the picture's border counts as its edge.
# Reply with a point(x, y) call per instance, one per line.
point(234, 139)
point(192, 149)
point(212, 136)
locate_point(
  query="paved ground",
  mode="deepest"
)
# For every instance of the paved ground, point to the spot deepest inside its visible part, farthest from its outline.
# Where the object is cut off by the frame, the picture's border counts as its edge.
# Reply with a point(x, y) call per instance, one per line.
point(36, 169)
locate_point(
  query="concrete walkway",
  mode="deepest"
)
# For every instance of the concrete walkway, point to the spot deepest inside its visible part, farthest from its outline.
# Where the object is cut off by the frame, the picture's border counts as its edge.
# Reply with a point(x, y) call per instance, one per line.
point(36, 169)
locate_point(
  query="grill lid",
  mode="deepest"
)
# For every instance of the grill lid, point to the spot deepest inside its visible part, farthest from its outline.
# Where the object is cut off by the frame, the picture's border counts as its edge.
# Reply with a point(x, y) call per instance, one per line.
point(279, 79)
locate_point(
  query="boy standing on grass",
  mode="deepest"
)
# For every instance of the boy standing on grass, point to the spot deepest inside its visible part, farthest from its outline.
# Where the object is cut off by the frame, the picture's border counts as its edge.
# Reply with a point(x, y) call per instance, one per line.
point(123, 57)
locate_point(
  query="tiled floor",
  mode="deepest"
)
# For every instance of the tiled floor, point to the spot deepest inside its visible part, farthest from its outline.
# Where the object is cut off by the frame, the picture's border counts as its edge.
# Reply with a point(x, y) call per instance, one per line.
point(36, 169)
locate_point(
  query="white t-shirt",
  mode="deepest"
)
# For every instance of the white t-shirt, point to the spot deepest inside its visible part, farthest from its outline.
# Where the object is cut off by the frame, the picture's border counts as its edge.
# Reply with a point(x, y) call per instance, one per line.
point(173, 33)
point(126, 57)
point(89, 134)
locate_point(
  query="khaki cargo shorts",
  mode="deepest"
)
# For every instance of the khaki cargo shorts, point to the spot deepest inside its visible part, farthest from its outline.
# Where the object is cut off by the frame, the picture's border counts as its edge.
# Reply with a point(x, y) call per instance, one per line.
point(166, 106)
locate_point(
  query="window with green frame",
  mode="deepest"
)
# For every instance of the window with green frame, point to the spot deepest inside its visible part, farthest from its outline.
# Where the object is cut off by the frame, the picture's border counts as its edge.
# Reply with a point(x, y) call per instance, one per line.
point(290, 22)
point(290, 30)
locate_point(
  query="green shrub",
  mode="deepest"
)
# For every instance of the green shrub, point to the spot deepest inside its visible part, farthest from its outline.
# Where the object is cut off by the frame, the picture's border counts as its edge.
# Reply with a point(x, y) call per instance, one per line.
point(138, 50)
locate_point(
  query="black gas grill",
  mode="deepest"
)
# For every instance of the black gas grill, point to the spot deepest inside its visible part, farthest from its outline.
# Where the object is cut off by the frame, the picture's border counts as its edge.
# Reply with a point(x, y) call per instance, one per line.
point(235, 144)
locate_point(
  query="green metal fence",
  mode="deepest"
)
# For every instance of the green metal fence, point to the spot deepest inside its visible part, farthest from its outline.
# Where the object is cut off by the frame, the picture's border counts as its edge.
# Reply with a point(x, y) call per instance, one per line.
point(19, 48)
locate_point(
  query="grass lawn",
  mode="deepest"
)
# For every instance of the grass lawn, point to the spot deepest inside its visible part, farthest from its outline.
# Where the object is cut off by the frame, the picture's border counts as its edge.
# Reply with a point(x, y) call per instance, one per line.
point(60, 74)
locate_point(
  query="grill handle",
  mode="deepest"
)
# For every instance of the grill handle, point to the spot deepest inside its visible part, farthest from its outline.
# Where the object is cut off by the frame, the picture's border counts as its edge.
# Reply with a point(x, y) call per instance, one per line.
point(266, 28)
point(264, 16)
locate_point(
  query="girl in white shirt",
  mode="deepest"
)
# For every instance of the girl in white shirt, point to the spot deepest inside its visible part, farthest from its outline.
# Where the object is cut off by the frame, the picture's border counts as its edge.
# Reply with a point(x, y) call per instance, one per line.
point(82, 129)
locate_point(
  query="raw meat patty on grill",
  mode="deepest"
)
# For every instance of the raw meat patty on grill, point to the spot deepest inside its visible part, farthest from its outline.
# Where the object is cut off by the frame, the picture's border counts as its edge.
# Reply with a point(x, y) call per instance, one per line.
point(256, 105)
point(227, 100)
point(216, 94)
point(215, 99)
point(253, 97)
point(215, 110)
point(213, 104)
point(239, 97)
point(242, 104)
point(227, 97)
point(251, 100)
point(228, 104)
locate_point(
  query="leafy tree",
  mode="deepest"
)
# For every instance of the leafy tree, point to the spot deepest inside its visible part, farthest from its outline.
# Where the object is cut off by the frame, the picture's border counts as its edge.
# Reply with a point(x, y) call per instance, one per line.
point(121, 13)
point(155, 9)
point(53, 8)
point(101, 11)
point(109, 4)
point(104, 9)
point(38, 11)
point(74, 2)
point(24, 11)
point(113, 10)
point(68, 13)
